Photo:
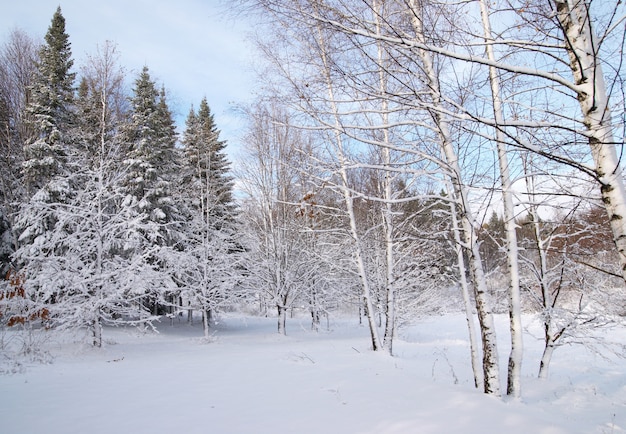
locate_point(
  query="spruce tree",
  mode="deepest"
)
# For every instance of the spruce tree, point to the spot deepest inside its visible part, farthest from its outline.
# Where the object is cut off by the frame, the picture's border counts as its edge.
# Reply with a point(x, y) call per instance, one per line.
point(151, 156)
point(207, 268)
point(48, 173)
point(150, 211)
point(43, 225)
point(206, 157)
point(51, 108)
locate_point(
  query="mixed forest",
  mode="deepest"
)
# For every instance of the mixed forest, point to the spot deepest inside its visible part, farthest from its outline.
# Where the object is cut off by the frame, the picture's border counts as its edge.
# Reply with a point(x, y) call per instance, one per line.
point(402, 158)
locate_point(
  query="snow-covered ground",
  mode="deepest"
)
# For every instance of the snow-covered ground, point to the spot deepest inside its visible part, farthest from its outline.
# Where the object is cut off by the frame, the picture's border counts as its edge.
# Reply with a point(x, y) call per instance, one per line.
point(249, 379)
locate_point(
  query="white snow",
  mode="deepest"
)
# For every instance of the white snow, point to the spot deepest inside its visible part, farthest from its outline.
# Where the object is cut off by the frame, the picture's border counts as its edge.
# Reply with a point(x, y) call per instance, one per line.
point(249, 379)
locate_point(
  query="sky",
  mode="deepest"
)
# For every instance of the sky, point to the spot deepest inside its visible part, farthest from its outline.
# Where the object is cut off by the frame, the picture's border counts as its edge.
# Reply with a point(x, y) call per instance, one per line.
point(192, 47)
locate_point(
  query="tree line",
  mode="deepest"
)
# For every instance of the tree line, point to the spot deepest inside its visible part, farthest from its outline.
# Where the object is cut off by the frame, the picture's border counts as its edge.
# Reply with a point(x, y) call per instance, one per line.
point(451, 110)
point(402, 158)
point(106, 218)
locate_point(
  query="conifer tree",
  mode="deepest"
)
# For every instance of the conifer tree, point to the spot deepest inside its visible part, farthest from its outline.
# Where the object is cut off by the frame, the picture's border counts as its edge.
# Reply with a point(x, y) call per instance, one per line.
point(208, 262)
point(51, 108)
point(150, 157)
point(150, 211)
point(47, 174)
point(42, 225)
point(206, 158)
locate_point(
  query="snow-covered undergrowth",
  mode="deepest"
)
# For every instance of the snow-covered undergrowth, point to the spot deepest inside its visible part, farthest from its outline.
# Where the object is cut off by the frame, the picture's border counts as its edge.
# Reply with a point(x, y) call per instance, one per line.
point(249, 379)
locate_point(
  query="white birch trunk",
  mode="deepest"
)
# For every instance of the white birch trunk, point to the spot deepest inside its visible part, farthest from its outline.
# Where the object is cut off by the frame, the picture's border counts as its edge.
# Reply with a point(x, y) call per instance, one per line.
point(388, 223)
point(542, 273)
point(515, 315)
point(98, 281)
point(491, 368)
point(594, 103)
point(546, 357)
point(390, 307)
point(491, 365)
point(479, 378)
point(349, 200)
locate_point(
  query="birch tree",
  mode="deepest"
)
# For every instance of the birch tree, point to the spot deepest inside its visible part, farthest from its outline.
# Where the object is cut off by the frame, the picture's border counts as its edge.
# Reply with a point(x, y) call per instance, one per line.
point(515, 316)
point(319, 102)
point(18, 57)
point(387, 212)
point(330, 70)
point(581, 44)
point(540, 47)
point(470, 240)
point(565, 246)
point(278, 264)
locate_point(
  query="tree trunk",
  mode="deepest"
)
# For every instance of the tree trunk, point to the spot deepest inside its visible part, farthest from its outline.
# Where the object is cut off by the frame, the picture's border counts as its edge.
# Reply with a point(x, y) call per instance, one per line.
point(206, 322)
point(491, 368)
point(491, 365)
point(282, 320)
point(542, 272)
point(515, 315)
point(315, 311)
point(479, 378)
point(594, 103)
point(96, 331)
point(315, 320)
point(348, 198)
point(546, 357)
point(387, 211)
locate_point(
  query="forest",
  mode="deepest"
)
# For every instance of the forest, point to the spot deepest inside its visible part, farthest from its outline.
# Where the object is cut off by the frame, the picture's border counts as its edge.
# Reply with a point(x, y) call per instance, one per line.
point(402, 159)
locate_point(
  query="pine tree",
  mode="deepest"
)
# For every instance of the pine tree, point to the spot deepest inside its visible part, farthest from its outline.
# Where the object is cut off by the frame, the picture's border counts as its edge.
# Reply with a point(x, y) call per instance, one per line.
point(46, 166)
point(205, 156)
point(42, 226)
point(51, 108)
point(149, 209)
point(207, 268)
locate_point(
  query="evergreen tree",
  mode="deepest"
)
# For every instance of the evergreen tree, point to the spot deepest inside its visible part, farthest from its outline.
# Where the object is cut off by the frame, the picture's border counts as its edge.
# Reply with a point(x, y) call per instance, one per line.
point(208, 164)
point(88, 124)
point(150, 159)
point(150, 211)
point(51, 108)
point(43, 225)
point(47, 173)
point(207, 264)
point(45, 167)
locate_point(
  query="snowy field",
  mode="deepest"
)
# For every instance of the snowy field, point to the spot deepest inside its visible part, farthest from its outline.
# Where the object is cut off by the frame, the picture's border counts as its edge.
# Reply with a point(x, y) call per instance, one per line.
point(249, 379)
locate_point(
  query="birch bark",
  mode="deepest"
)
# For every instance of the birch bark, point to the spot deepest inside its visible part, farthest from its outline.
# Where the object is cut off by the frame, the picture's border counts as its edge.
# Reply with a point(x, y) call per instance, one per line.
point(541, 273)
point(388, 222)
point(576, 25)
point(347, 195)
point(479, 378)
point(470, 239)
point(515, 315)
